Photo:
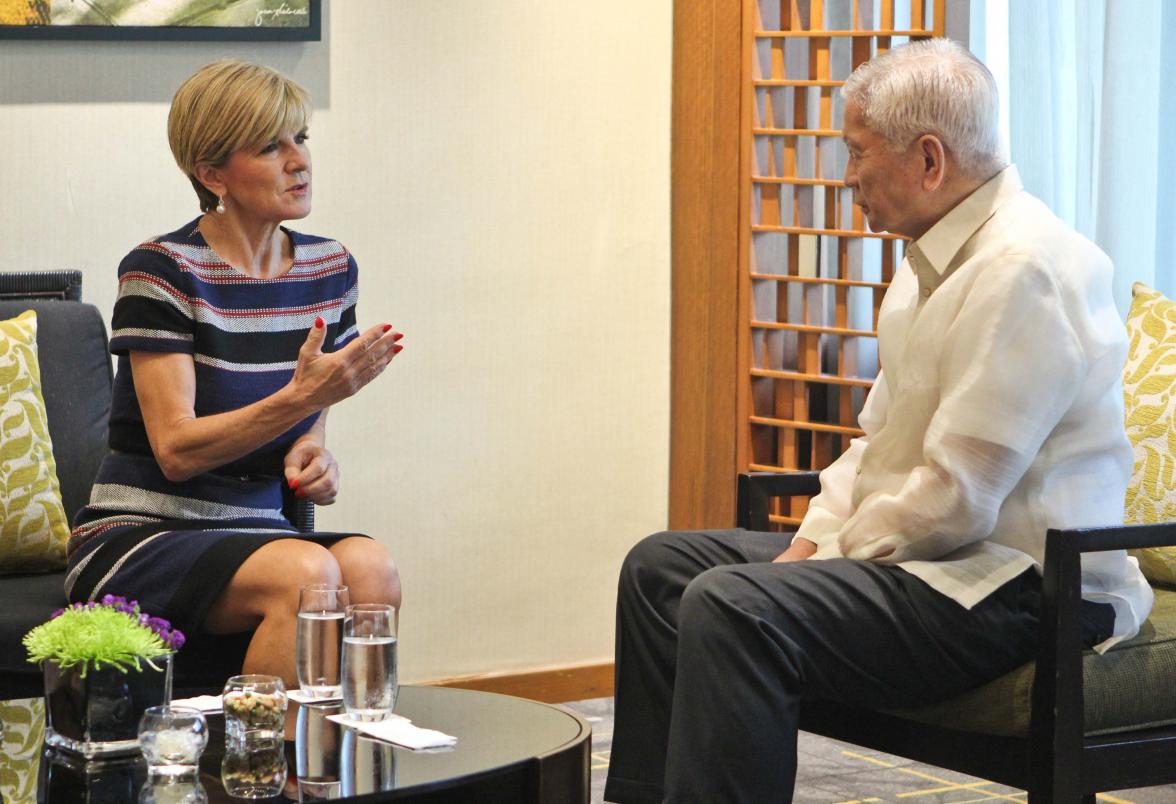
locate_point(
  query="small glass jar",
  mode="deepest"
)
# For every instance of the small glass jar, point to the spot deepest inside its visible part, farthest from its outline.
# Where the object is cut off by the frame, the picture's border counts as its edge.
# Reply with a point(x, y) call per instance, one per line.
point(172, 738)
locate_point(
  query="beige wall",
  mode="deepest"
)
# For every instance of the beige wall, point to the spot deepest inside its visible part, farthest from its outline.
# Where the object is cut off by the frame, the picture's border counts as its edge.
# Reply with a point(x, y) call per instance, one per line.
point(501, 171)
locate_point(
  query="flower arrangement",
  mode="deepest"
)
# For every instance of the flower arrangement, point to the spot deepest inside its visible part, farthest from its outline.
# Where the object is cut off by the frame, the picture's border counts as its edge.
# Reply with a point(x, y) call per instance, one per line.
point(113, 633)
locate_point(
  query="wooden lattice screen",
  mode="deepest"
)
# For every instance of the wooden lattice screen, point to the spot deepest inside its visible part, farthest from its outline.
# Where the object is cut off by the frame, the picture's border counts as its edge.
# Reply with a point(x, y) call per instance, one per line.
point(813, 275)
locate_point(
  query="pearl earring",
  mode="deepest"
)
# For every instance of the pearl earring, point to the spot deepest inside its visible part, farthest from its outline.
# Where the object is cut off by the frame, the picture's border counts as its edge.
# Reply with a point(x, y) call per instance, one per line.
point(220, 206)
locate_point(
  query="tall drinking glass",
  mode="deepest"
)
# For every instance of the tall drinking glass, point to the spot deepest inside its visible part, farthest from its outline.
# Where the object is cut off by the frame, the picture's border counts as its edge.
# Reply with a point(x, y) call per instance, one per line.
point(369, 661)
point(317, 647)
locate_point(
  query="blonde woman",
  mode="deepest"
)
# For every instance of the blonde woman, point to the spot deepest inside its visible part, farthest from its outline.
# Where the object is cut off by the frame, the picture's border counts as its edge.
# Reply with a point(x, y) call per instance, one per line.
point(234, 336)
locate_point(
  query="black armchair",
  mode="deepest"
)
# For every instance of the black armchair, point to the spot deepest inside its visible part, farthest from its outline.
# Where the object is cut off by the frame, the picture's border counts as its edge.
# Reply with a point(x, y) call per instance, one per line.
point(1064, 727)
point(76, 382)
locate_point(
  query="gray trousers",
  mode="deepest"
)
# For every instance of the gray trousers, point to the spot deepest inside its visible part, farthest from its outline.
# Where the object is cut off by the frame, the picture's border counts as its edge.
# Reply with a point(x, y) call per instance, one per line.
point(716, 648)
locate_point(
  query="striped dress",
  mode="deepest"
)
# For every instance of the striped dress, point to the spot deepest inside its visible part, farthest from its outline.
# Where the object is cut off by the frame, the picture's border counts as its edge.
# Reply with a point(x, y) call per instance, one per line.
point(174, 546)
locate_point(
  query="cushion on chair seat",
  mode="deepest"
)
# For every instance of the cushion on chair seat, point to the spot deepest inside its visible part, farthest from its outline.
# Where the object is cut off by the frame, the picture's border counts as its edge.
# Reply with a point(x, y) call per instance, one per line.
point(1128, 687)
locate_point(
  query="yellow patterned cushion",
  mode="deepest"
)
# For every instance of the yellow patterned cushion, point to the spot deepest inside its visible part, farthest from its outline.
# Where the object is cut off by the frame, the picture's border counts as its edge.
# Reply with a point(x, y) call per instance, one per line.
point(34, 529)
point(20, 748)
point(1149, 394)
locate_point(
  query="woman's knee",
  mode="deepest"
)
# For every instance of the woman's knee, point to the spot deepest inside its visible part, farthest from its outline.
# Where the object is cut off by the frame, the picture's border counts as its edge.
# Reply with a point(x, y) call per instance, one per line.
point(367, 568)
point(266, 584)
point(305, 563)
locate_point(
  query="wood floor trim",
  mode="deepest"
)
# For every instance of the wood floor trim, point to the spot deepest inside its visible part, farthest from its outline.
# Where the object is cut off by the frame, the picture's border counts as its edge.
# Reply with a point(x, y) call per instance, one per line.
point(549, 684)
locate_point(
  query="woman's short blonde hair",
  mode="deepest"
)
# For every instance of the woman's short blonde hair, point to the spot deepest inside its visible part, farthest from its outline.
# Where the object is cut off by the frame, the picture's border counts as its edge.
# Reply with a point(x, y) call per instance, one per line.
point(229, 105)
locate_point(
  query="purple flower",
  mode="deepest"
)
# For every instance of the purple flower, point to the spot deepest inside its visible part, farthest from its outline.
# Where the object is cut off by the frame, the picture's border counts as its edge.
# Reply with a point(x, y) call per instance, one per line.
point(158, 625)
point(173, 639)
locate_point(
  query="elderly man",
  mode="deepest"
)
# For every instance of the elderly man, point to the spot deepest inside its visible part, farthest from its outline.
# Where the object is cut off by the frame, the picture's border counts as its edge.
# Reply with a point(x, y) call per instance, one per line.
point(915, 575)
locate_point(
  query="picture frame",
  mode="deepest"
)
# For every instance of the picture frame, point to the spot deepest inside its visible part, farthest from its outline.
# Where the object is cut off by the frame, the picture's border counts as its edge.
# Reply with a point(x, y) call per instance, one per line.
point(186, 20)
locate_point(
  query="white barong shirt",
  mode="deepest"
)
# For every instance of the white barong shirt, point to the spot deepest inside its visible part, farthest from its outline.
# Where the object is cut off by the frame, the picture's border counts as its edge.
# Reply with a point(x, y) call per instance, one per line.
point(997, 412)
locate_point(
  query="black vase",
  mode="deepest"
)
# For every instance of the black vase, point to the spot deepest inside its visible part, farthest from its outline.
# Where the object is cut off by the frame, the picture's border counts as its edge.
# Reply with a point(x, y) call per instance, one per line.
point(98, 715)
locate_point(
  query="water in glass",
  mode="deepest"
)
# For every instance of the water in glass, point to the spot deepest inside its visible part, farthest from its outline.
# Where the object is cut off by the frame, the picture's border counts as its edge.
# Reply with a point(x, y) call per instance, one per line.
point(369, 661)
point(319, 637)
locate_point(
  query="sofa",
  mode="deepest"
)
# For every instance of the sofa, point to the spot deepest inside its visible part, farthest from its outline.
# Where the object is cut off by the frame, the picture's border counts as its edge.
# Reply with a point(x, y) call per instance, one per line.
point(76, 380)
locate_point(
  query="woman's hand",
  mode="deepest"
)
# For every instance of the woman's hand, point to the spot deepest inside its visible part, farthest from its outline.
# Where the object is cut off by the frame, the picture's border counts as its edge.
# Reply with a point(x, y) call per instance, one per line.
point(311, 471)
point(324, 379)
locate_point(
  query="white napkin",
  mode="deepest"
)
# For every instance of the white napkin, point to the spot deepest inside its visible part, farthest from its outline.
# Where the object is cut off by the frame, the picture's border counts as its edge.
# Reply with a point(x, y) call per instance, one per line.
point(208, 704)
point(305, 698)
point(398, 730)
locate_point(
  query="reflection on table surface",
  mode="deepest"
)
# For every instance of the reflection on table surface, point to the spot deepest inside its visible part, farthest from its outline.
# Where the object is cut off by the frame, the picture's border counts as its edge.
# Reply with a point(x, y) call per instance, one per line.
point(325, 760)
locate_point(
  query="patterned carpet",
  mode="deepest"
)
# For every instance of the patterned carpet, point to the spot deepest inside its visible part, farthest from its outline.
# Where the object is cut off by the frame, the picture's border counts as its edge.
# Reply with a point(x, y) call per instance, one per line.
point(830, 772)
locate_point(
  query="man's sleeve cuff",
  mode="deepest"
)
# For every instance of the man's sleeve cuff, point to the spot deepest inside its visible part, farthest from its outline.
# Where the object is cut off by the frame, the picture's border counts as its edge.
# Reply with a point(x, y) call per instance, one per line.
point(820, 527)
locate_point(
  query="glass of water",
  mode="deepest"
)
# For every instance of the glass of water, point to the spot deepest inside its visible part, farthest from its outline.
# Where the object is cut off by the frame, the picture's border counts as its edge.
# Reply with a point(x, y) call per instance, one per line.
point(369, 661)
point(317, 647)
point(172, 738)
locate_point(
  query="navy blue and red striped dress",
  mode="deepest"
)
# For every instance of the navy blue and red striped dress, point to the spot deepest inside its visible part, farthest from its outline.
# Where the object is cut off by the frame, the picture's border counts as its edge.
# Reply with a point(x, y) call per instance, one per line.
point(174, 546)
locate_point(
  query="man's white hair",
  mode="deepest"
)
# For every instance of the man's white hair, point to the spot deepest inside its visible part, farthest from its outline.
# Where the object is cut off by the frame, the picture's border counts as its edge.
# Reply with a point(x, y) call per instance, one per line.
point(934, 86)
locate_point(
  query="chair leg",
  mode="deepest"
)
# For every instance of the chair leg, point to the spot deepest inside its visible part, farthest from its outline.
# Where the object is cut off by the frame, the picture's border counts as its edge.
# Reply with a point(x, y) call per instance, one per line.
point(1043, 798)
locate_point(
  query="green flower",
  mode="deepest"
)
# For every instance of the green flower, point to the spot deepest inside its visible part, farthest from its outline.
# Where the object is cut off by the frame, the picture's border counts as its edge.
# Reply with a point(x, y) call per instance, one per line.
point(113, 633)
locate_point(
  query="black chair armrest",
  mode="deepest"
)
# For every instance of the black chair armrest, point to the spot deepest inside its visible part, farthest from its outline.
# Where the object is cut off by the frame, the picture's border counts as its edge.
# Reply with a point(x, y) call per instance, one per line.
point(300, 512)
point(1058, 715)
point(756, 490)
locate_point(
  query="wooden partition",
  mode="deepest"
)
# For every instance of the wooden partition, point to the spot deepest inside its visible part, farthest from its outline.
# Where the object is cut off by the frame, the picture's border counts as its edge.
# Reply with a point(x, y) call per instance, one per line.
point(775, 305)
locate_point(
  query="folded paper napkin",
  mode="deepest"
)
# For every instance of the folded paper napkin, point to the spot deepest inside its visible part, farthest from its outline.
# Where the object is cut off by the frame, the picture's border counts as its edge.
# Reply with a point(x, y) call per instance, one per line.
point(400, 731)
point(208, 704)
point(303, 698)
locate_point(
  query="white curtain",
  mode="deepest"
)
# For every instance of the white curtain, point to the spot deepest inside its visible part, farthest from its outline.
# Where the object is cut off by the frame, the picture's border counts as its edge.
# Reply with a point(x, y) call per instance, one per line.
point(1091, 99)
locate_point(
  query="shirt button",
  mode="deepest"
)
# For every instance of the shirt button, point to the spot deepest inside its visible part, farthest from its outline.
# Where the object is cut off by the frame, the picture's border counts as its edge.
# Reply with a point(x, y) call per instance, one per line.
point(927, 292)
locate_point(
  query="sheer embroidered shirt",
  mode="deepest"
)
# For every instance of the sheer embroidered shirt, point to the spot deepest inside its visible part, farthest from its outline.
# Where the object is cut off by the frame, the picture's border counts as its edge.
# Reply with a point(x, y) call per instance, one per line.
point(997, 413)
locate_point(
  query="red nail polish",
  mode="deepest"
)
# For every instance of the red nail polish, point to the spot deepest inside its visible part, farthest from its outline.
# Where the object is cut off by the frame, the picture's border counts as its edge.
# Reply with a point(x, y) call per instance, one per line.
point(397, 336)
point(387, 327)
point(318, 322)
point(293, 484)
point(397, 349)
point(300, 493)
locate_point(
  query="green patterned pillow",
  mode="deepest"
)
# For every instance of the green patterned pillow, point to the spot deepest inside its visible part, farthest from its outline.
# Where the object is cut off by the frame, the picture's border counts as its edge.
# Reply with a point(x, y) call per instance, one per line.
point(22, 734)
point(1149, 394)
point(34, 530)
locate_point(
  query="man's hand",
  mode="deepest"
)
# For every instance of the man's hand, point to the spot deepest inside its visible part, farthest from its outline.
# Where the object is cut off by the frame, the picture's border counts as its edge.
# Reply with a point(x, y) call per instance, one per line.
point(799, 550)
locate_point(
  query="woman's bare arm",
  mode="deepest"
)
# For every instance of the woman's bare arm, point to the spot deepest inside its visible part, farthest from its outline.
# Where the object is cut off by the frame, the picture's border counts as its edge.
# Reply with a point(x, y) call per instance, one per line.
point(186, 445)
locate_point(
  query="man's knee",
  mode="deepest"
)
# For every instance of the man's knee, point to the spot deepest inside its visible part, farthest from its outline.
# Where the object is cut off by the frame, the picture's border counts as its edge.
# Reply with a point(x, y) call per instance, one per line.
point(712, 596)
point(650, 552)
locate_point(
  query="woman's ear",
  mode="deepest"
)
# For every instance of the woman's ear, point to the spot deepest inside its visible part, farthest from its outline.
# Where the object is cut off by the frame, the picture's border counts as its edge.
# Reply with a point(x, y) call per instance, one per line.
point(210, 177)
point(934, 158)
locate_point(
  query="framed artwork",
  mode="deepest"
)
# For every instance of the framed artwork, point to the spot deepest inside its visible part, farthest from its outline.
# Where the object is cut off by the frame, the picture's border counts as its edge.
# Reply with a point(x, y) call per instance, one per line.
point(257, 20)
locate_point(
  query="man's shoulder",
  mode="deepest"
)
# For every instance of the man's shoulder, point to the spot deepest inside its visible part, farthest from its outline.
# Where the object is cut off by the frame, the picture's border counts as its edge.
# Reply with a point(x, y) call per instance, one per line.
point(1024, 227)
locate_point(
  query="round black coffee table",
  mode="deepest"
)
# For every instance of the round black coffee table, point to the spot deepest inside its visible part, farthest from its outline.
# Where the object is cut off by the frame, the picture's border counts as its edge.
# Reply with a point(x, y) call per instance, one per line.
point(508, 750)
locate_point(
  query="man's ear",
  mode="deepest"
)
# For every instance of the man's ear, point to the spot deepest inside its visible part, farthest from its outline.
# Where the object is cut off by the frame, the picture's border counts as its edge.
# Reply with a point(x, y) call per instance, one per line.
point(211, 178)
point(934, 157)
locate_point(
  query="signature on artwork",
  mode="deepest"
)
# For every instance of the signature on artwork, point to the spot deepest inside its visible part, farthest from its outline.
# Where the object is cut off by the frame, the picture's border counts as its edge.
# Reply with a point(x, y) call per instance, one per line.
point(267, 16)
